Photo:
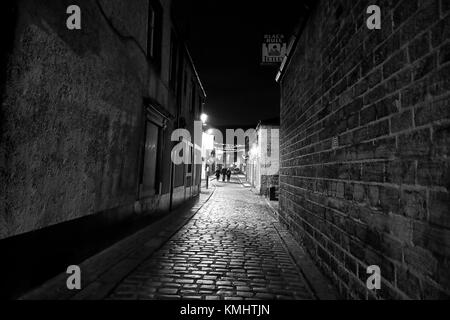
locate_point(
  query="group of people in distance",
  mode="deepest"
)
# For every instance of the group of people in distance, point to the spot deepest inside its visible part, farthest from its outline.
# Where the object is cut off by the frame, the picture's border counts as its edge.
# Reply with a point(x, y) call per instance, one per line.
point(226, 173)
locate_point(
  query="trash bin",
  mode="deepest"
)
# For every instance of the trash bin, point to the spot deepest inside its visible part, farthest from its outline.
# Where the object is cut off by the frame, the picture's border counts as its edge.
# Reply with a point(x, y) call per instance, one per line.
point(272, 193)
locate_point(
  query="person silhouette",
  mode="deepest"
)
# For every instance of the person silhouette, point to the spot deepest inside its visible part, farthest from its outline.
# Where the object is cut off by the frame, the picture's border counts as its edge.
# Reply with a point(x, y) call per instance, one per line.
point(217, 174)
point(224, 174)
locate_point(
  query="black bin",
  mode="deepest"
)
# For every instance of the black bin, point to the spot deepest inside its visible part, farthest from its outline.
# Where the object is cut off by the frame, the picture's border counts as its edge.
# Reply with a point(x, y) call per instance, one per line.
point(272, 193)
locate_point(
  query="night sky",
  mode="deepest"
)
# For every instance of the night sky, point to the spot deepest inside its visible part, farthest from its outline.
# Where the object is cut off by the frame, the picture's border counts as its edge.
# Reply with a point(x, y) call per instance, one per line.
point(225, 40)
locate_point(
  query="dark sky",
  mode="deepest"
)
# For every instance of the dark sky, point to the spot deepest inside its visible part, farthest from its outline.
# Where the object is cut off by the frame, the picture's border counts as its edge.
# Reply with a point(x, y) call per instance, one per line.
point(225, 39)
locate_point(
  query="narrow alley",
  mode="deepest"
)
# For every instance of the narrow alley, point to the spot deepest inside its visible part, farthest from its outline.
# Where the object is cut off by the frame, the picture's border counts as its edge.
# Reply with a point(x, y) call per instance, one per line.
point(225, 150)
point(229, 250)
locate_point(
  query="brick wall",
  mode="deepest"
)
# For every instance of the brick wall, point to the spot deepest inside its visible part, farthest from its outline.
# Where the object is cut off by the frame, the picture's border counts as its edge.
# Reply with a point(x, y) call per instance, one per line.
point(380, 196)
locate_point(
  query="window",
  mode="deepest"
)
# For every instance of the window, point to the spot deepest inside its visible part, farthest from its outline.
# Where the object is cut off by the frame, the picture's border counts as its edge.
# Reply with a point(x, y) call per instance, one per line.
point(151, 31)
point(150, 157)
point(152, 143)
point(154, 32)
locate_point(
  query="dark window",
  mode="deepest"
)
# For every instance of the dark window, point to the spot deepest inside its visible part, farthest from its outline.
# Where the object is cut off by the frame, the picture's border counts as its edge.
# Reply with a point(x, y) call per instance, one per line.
point(151, 157)
point(151, 31)
point(154, 32)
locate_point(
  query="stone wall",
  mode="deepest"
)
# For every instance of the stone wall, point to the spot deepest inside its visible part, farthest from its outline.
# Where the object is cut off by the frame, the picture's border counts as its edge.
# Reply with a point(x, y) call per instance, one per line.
point(72, 111)
point(71, 107)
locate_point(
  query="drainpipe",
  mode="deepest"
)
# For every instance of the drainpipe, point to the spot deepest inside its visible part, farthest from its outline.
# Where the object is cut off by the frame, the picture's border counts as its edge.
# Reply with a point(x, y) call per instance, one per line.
point(294, 40)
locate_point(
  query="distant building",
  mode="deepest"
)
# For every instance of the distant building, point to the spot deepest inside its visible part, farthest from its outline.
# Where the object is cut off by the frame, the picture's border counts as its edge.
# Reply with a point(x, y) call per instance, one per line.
point(262, 167)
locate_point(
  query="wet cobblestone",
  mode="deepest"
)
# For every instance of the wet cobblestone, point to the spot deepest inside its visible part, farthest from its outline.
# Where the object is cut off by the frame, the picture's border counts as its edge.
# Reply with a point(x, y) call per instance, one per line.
point(229, 250)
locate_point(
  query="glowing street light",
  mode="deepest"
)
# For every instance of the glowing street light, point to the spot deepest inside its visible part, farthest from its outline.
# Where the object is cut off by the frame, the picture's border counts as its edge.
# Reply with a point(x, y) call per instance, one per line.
point(204, 118)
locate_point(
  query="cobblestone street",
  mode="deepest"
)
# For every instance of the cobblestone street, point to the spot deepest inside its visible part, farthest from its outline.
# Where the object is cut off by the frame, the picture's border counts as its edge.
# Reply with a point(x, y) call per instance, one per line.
point(229, 250)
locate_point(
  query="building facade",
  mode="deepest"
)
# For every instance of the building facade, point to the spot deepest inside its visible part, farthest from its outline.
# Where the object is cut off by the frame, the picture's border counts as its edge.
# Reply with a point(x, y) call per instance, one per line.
point(364, 147)
point(262, 169)
point(87, 117)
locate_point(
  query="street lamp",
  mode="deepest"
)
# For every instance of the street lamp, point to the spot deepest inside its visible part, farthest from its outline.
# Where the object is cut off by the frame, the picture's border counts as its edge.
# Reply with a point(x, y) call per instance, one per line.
point(204, 118)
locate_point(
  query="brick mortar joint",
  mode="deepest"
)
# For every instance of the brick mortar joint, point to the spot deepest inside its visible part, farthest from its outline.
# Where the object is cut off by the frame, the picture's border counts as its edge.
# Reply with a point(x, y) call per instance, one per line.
point(384, 280)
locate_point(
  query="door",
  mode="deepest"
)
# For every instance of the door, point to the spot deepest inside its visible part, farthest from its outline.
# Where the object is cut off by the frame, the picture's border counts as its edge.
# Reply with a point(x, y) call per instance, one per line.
point(151, 151)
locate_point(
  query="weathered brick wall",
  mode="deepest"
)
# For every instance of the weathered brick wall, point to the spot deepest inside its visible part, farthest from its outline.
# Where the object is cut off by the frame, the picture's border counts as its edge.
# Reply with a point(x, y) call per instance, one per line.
point(381, 196)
